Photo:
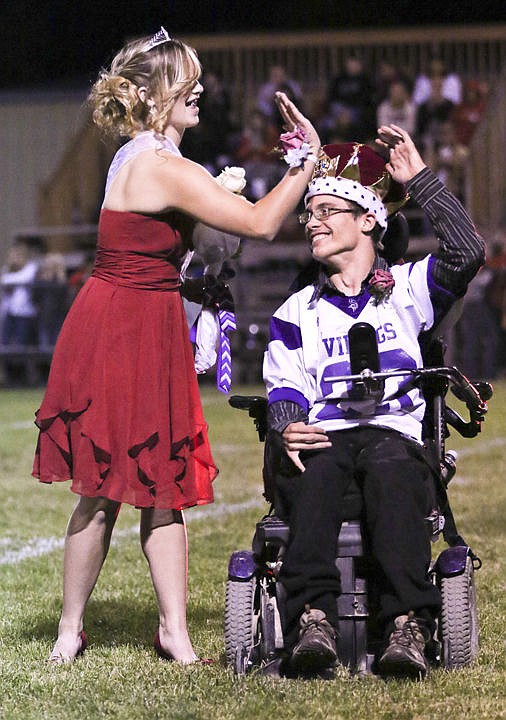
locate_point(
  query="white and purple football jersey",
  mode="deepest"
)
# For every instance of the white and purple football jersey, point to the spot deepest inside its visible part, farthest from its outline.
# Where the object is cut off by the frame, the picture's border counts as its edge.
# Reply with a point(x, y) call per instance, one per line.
point(309, 345)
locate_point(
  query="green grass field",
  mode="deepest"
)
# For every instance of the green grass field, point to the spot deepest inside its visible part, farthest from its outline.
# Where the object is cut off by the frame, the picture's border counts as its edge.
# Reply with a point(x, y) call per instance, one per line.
point(120, 677)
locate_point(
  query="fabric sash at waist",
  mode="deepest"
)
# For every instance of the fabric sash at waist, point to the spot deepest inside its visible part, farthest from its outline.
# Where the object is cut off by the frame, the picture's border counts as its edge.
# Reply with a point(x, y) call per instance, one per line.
point(134, 270)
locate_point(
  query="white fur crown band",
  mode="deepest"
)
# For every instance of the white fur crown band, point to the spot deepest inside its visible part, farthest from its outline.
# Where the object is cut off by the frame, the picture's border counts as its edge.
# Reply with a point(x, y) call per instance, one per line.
point(349, 190)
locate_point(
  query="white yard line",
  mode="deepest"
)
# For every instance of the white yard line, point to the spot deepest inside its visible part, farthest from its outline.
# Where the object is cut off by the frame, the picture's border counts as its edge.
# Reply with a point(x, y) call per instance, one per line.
point(20, 425)
point(480, 447)
point(11, 553)
point(15, 551)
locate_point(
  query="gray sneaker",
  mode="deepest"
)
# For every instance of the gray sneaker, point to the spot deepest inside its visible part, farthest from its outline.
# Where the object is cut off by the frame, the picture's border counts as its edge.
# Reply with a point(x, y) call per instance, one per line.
point(404, 655)
point(316, 647)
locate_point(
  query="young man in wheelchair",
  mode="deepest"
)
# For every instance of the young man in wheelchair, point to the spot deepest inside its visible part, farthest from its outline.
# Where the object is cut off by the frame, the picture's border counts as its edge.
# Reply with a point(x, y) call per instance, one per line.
point(328, 434)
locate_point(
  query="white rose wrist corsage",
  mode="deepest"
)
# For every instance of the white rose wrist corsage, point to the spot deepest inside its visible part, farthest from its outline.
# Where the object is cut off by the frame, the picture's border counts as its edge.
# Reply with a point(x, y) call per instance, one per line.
point(295, 148)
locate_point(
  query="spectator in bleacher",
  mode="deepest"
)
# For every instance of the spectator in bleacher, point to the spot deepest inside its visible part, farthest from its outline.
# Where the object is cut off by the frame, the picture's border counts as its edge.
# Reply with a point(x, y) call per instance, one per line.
point(278, 81)
point(398, 108)
point(496, 295)
point(451, 84)
point(18, 313)
point(208, 145)
point(255, 153)
point(431, 114)
point(477, 331)
point(388, 72)
point(448, 158)
point(351, 92)
point(466, 116)
point(50, 293)
point(18, 310)
point(337, 125)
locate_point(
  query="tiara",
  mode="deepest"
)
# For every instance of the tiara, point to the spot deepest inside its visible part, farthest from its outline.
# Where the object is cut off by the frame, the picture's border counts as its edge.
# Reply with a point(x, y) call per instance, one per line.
point(158, 38)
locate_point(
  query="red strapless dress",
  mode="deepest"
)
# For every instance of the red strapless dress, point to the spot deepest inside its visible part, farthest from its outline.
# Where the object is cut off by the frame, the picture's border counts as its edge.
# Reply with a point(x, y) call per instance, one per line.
point(121, 415)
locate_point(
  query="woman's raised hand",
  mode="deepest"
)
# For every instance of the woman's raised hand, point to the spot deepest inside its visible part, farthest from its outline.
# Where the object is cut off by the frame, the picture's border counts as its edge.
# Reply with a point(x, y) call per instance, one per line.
point(293, 118)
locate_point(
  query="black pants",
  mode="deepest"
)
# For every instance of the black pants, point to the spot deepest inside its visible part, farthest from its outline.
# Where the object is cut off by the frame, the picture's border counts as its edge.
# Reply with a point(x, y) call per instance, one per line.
point(397, 487)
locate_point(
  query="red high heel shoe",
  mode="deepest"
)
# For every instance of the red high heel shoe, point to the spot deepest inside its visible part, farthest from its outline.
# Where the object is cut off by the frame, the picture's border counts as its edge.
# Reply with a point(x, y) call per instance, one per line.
point(84, 644)
point(167, 656)
point(61, 660)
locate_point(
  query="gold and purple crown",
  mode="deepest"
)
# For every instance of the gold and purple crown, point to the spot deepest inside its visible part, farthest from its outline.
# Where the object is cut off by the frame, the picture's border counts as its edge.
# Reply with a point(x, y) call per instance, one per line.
point(355, 172)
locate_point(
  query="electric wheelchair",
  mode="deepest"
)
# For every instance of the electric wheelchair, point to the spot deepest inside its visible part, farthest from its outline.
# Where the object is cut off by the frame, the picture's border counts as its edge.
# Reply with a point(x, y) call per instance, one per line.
point(253, 635)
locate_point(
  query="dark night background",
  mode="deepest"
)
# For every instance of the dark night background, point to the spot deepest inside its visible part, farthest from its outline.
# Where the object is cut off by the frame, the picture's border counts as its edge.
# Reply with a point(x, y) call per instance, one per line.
point(50, 42)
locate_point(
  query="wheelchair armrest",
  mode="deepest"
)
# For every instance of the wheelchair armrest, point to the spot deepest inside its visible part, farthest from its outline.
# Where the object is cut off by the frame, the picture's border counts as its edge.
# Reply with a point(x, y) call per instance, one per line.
point(256, 405)
point(248, 402)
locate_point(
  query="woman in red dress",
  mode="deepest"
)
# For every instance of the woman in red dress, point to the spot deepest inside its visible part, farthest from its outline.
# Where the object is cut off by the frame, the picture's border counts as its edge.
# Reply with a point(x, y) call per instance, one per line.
point(121, 417)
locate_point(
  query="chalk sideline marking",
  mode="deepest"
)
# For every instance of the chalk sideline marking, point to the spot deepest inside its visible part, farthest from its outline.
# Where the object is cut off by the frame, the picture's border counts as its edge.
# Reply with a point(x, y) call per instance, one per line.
point(11, 553)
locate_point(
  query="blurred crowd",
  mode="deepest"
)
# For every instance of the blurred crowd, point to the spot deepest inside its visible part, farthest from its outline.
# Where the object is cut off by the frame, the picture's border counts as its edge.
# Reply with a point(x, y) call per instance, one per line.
point(440, 110)
point(36, 290)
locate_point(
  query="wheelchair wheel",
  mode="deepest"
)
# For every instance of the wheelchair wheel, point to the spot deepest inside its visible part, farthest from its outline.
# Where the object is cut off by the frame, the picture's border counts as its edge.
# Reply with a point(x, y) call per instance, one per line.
point(240, 624)
point(459, 619)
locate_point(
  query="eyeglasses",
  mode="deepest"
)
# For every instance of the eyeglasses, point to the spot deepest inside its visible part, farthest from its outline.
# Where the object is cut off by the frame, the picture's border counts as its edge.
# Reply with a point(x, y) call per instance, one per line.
point(320, 214)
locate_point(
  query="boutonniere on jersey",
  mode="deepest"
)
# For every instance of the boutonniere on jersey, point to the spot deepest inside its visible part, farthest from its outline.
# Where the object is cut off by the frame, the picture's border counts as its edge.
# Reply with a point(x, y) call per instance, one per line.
point(381, 285)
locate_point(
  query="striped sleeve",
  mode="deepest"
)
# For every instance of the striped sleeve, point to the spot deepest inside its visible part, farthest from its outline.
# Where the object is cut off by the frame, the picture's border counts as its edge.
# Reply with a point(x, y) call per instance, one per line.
point(461, 250)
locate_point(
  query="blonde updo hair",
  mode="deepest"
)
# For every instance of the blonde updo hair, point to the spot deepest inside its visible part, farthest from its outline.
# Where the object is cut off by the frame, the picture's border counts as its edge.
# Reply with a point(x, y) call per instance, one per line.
point(167, 71)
